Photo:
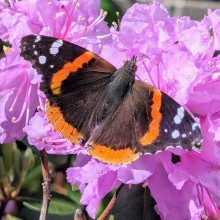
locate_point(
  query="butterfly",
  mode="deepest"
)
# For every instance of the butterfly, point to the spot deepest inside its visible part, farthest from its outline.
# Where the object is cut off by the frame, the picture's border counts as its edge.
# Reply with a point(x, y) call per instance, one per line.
point(91, 103)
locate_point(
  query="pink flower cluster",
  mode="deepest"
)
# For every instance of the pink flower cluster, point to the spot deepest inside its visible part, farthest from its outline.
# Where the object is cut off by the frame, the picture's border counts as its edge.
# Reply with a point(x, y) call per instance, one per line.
point(178, 56)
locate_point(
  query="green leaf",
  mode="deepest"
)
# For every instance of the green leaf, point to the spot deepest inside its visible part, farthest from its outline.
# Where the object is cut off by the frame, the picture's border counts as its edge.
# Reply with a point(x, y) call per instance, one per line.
point(75, 195)
point(111, 8)
point(2, 168)
point(11, 217)
point(8, 151)
point(58, 159)
point(59, 204)
point(27, 160)
point(17, 161)
point(34, 177)
point(111, 217)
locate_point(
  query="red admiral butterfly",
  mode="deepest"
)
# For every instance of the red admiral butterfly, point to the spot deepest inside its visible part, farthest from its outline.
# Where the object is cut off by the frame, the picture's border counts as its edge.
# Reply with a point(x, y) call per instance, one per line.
point(90, 102)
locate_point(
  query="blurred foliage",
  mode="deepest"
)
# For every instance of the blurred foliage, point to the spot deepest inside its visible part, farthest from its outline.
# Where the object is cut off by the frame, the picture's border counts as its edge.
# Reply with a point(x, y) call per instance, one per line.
point(111, 8)
point(20, 185)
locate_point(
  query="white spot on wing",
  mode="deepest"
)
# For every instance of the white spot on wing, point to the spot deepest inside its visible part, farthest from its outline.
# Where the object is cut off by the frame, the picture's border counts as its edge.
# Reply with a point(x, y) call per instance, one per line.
point(35, 52)
point(42, 59)
point(54, 49)
point(180, 112)
point(175, 134)
point(51, 66)
point(194, 126)
point(57, 43)
point(37, 39)
point(148, 153)
point(177, 119)
point(169, 147)
point(183, 135)
point(165, 130)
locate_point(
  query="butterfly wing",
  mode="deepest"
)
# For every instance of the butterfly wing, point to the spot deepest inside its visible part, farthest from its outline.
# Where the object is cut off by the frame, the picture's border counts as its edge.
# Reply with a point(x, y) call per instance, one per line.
point(120, 129)
point(73, 79)
point(147, 121)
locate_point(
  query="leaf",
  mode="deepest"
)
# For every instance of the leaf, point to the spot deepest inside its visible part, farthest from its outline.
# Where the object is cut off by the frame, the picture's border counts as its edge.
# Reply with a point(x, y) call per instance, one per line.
point(27, 160)
point(2, 168)
point(34, 177)
point(58, 159)
point(111, 8)
point(11, 217)
point(111, 217)
point(59, 204)
point(8, 151)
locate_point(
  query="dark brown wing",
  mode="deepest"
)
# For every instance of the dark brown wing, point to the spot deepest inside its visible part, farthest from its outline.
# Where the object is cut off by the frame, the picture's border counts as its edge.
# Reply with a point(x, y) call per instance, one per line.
point(73, 80)
point(146, 122)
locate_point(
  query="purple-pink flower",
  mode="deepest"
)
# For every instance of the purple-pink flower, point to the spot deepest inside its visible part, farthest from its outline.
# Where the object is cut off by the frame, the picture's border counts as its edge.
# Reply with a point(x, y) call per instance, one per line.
point(176, 55)
point(19, 95)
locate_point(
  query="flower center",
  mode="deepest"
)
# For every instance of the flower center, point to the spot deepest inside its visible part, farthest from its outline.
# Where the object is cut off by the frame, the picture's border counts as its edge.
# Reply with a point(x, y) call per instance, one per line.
point(70, 25)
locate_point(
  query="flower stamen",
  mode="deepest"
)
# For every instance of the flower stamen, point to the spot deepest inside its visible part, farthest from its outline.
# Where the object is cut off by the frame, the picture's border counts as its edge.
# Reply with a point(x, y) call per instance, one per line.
point(27, 96)
point(28, 105)
point(99, 19)
point(20, 88)
point(213, 203)
point(149, 75)
point(114, 24)
point(67, 21)
point(209, 43)
point(41, 98)
point(158, 75)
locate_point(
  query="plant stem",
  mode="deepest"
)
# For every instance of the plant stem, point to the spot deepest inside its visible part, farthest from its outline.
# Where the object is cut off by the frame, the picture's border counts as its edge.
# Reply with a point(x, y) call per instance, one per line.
point(108, 209)
point(45, 184)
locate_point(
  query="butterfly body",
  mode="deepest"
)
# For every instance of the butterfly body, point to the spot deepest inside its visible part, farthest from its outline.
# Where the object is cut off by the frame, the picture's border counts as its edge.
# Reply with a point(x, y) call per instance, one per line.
point(92, 103)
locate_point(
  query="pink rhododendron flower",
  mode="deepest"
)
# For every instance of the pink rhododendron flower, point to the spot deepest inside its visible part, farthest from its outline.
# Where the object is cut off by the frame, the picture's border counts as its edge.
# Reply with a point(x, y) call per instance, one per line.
point(45, 138)
point(19, 95)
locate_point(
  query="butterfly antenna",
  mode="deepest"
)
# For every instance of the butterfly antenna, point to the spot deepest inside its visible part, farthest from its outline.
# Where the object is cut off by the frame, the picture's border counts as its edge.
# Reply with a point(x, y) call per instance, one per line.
point(142, 57)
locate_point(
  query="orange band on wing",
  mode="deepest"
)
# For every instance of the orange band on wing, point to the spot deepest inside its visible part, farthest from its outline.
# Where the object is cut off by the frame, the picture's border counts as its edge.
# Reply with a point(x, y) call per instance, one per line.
point(154, 127)
point(106, 154)
point(59, 124)
point(62, 74)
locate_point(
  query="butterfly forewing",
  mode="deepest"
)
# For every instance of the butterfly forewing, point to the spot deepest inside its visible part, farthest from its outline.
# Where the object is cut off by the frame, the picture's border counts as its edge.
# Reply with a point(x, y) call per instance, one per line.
point(57, 60)
point(73, 79)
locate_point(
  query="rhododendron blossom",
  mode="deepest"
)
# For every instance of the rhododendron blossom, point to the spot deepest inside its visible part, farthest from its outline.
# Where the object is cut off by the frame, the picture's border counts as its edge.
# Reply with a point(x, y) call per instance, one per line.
point(176, 55)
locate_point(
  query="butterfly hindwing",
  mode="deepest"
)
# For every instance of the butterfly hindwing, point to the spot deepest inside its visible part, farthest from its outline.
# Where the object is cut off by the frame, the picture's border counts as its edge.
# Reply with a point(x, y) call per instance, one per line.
point(146, 122)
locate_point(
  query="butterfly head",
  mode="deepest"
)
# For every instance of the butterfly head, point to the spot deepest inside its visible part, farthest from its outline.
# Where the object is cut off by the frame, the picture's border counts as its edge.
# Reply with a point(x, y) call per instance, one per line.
point(130, 66)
